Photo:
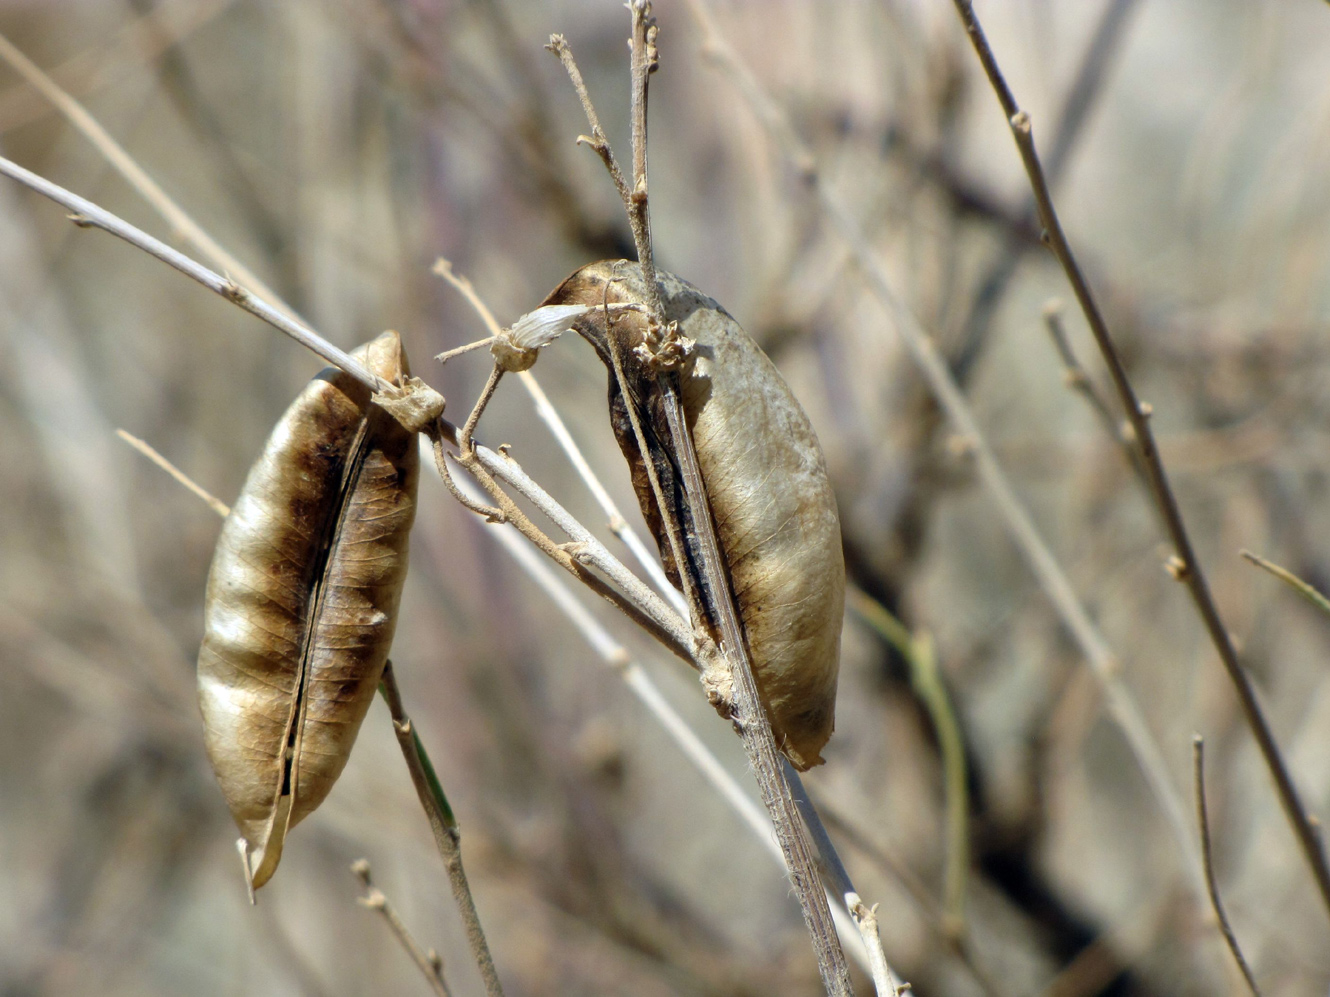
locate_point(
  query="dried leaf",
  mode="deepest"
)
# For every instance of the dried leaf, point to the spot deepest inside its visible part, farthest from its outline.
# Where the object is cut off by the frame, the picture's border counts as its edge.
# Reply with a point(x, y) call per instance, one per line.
point(302, 601)
point(766, 479)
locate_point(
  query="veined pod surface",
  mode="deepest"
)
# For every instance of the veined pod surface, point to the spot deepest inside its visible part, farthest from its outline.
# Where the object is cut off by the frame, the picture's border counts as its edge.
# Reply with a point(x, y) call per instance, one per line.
point(766, 480)
point(302, 601)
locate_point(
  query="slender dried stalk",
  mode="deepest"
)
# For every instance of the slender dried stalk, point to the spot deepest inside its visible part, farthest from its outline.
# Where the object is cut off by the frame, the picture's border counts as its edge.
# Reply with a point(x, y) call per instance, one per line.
point(1308, 592)
point(88, 215)
point(917, 650)
point(429, 963)
point(1187, 567)
point(1122, 707)
point(447, 835)
point(124, 164)
point(866, 918)
point(1203, 816)
point(214, 503)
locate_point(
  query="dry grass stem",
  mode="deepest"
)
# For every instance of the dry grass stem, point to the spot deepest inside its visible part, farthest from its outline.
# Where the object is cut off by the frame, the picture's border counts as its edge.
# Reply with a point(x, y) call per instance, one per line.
point(1189, 569)
point(214, 503)
point(1122, 707)
point(429, 963)
point(1211, 883)
point(1308, 592)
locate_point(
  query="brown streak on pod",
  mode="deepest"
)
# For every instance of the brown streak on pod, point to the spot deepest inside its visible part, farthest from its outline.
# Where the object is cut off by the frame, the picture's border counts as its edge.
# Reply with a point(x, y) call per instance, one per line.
point(302, 601)
point(766, 479)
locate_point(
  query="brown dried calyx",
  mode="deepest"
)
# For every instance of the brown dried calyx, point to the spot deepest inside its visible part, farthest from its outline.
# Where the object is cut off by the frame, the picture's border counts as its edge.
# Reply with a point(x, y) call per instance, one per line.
point(302, 601)
point(765, 477)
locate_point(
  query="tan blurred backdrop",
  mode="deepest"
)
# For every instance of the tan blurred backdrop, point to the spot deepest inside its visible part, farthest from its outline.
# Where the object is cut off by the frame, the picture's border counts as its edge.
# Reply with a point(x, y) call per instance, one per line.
point(338, 147)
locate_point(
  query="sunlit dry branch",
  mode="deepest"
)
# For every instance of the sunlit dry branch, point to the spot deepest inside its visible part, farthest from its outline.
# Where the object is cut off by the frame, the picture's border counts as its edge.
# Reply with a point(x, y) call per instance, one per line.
point(1188, 569)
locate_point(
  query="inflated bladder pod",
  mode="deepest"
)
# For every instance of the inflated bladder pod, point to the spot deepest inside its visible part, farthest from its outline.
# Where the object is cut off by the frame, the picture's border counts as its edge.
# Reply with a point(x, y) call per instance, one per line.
point(302, 601)
point(766, 479)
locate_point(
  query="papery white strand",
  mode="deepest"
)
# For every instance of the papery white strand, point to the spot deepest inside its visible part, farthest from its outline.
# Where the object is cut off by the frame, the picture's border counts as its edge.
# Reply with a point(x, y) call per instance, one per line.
point(543, 326)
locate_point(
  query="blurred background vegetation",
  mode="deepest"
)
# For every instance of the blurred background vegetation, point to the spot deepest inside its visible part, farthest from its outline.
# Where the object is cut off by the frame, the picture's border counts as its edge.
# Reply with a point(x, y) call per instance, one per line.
point(338, 147)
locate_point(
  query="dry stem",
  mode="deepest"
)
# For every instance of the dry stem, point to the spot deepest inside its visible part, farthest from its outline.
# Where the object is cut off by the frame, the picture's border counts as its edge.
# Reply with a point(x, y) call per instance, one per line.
point(124, 164)
point(429, 963)
point(640, 683)
point(447, 835)
point(1203, 816)
point(1189, 567)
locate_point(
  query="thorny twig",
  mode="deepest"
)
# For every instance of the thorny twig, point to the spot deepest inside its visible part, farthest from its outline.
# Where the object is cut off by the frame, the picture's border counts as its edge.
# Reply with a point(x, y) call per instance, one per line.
point(447, 835)
point(1186, 566)
point(1203, 816)
point(1122, 708)
point(749, 715)
point(429, 963)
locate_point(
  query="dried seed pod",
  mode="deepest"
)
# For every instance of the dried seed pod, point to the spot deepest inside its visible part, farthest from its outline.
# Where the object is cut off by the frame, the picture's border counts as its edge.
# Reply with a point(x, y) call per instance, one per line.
point(765, 477)
point(302, 601)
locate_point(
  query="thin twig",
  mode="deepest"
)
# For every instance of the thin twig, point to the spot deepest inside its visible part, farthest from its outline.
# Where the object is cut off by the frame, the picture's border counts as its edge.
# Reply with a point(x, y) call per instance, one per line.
point(469, 427)
point(1187, 567)
point(124, 164)
point(1211, 883)
point(1303, 589)
point(960, 945)
point(645, 61)
point(866, 918)
point(429, 963)
point(1122, 708)
point(216, 504)
point(447, 835)
point(1068, 127)
point(839, 885)
point(1076, 378)
point(88, 215)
